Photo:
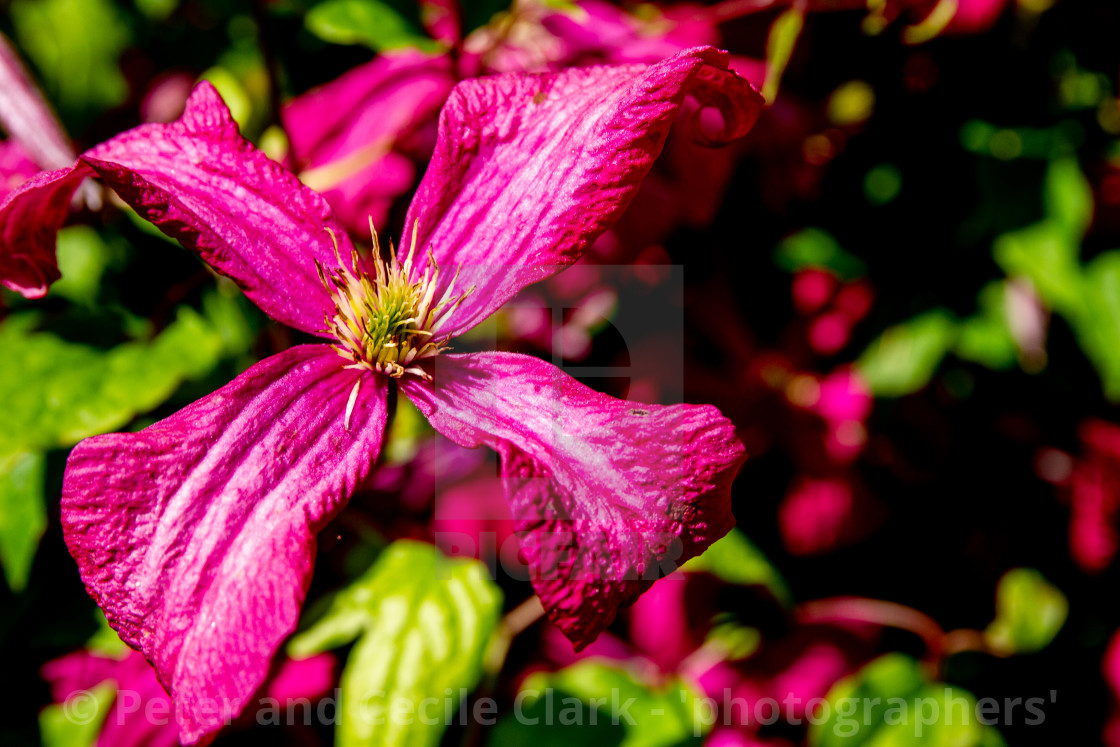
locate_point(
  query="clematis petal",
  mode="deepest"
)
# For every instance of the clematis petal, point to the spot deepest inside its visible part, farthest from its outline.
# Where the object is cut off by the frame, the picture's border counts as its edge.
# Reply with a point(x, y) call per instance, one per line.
point(344, 134)
point(16, 167)
point(200, 182)
point(25, 115)
point(530, 169)
point(605, 494)
point(604, 32)
point(197, 534)
point(30, 216)
point(441, 20)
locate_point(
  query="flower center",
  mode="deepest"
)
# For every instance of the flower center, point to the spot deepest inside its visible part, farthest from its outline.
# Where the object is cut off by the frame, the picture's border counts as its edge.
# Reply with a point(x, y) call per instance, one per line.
point(387, 321)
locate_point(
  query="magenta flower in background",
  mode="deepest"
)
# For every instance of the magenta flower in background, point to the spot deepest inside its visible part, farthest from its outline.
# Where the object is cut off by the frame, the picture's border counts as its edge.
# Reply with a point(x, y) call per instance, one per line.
point(141, 714)
point(1110, 667)
point(352, 139)
point(791, 666)
point(1090, 483)
point(16, 167)
point(37, 139)
point(83, 670)
point(197, 534)
point(819, 515)
point(356, 139)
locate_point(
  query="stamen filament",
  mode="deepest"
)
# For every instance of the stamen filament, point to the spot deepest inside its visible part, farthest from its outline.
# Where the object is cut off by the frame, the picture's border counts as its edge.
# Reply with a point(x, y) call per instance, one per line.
point(387, 322)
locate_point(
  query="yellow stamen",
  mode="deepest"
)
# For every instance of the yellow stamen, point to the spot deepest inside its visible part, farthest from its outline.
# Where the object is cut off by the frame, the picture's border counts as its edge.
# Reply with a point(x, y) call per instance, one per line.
point(387, 322)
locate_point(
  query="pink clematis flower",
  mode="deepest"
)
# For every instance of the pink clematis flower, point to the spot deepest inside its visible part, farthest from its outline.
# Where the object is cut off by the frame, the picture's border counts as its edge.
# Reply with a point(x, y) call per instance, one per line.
point(1091, 484)
point(356, 139)
point(197, 534)
point(352, 139)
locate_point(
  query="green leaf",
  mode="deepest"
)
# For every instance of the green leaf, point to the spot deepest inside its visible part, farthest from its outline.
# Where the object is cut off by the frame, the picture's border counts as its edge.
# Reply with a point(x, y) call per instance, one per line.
point(230, 315)
point(83, 257)
point(985, 337)
point(734, 640)
point(904, 358)
point(423, 623)
point(735, 559)
point(1048, 256)
point(233, 93)
point(812, 247)
point(932, 25)
point(23, 514)
point(75, 46)
point(408, 431)
point(370, 22)
point(784, 32)
point(1096, 321)
point(157, 10)
point(892, 702)
point(55, 393)
point(1029, 613)
point(611, 704)
point(105, 641)
point(77, 722)
point(1067, 197)
point(882, 184)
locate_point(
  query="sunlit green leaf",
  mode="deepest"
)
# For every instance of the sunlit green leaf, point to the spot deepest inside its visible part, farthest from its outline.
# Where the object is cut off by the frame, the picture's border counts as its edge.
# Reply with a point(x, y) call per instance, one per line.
point(784, 32)
point(408, 430)
point(812, 247)
point(735, 559)
point(904, 358)
point(734, 640)
point(373, 23)
point(55, 393)
point(1096, 321)
point(423, 623)
point(105, 641)
point(1029, 613)
point(891, 701)
point(1067, 196)
point(157, 10)
point(985, 337)
point(77, 722)
point(932, 25)
point(23, 515)
point(1046, 255)
point(610, 704)
point(241, 76)
point(228, 313)
point(75, 46)
point(232, 92)
point(83, 257)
